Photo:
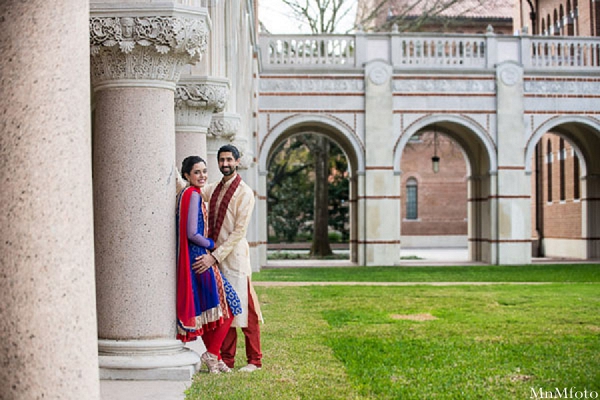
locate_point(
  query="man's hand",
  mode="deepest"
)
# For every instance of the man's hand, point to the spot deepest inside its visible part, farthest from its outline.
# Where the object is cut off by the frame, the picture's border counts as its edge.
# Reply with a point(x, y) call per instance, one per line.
point(203, 263)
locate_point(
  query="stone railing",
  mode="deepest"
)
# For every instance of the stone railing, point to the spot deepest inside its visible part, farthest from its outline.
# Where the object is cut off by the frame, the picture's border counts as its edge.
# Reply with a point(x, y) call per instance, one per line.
point(553, 52)
point(427, 51)
point(308, 50)
point(439, 51)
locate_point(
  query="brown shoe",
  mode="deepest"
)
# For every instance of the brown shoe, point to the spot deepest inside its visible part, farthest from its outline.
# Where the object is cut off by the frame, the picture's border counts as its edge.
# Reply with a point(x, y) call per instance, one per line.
point(211, 361)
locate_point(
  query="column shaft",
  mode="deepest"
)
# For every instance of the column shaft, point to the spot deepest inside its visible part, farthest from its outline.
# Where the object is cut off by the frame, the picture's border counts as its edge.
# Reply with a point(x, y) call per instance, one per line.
point(381, 202)
point(134, 196)
point(136, 62)
point(47, 296)
point(513, 197)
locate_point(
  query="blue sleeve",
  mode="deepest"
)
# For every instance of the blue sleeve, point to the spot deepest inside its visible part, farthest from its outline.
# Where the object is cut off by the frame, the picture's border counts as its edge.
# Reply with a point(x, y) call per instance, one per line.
point(192, 225)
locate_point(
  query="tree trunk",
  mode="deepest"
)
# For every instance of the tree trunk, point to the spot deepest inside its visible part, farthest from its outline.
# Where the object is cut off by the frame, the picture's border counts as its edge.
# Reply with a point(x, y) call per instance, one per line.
point(320, 243)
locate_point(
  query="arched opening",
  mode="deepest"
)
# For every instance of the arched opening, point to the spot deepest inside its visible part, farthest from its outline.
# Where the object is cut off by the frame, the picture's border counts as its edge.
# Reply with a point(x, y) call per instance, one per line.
point(455, 203)
point(443, 192)
point(565, 178)
point(295, 198)
point(349, 154)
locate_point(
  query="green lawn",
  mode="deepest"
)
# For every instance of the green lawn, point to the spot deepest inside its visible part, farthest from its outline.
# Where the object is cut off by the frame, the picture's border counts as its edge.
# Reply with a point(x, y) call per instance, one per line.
point(483, 273)
point(421, 342)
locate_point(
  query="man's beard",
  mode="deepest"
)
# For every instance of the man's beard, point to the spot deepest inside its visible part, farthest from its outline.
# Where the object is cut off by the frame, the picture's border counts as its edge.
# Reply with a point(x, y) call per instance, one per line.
point(227, 171)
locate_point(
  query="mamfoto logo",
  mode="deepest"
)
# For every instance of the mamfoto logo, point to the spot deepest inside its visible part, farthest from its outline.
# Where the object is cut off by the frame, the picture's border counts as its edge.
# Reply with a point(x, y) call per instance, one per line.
point(564, 393)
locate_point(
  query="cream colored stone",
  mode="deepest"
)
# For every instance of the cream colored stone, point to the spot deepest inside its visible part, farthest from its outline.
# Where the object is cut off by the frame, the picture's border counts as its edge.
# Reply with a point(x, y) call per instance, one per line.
point(134, 186)
point(196, 99)
point(47, 296)
point(134, 77)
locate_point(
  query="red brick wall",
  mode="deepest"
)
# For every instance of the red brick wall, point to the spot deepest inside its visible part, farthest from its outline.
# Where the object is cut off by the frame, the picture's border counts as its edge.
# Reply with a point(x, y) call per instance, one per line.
point(561, 218)
point(442, 197)
point(585, 24)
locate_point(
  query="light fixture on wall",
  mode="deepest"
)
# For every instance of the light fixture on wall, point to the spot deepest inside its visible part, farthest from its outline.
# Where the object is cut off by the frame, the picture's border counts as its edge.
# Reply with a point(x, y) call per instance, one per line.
point(435, 160)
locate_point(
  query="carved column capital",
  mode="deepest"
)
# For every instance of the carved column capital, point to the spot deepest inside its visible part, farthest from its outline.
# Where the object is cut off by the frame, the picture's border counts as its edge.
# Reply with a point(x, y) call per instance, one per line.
point(246, 155)
point(224, 126)
point(197, 98)
point(130, 47)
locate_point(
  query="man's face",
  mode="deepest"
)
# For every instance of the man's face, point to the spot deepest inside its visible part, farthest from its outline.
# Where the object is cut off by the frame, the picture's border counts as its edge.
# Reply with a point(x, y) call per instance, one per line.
point(227, 163)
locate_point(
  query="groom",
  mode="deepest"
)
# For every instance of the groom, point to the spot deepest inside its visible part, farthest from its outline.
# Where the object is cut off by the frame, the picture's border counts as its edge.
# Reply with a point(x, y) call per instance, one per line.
point(231, 203)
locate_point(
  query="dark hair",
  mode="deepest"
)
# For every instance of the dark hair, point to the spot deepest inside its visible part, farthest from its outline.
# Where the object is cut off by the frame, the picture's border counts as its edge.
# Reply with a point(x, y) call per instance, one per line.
point(188, 164)
point(229, 148)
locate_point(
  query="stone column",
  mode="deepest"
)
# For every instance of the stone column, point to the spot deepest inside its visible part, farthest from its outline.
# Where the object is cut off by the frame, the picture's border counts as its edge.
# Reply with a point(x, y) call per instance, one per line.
point(382, 188)
point(136, 62)
point(513, 195)
point(223, 129)
point(47, 294)
point(247, 170)
point(196, 98)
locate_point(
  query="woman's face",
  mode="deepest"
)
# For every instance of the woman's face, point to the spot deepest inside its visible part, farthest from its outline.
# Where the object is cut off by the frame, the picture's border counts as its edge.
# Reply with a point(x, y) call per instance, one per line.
point(198, 175)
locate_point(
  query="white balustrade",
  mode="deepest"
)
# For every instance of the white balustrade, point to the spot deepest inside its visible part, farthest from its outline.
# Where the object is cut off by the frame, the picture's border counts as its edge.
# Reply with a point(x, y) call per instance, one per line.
point(552, 52)
point(307, 50)
point(441, 52)
point(430, 51)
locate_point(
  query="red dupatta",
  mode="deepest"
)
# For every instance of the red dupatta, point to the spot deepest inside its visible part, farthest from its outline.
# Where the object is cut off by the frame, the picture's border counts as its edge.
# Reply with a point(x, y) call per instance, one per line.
point(186, 310)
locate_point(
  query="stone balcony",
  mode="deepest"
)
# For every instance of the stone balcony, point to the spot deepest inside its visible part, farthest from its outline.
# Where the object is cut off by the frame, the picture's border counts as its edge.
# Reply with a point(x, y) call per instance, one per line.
point(425, 51)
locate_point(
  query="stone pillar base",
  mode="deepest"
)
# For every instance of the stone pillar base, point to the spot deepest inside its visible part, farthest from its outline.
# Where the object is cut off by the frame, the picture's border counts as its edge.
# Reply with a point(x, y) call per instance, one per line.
point(382, 254)
point(146, 360)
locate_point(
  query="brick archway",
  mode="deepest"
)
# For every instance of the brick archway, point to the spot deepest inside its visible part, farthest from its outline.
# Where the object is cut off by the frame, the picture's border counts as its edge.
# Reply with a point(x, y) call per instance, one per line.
point(479, 151)
point(566, 218)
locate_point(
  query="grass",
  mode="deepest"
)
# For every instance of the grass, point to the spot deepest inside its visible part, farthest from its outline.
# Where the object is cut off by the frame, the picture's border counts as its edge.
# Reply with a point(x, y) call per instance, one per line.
point(483, 273)
point(421, 342)
point(296, 255)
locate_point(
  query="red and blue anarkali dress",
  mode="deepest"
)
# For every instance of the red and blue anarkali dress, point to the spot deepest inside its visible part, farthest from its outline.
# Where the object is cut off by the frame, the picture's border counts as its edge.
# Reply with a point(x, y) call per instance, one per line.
point(204, 300)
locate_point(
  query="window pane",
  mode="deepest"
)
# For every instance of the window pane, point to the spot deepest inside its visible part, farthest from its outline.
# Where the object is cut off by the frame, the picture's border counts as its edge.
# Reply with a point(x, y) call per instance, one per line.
point(411, 201)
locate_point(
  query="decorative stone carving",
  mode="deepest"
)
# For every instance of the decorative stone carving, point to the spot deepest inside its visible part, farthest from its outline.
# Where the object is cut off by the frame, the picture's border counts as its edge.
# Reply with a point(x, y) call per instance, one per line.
point(562, 86)
point(444, 85)
point(378, 75)
point(246, 159)
point(153, 48)
point(510, 74)
point(202, 95)
point(311, 85)
point(164, 34)
point(196, 99)
point(224, 126)
point(379, 72)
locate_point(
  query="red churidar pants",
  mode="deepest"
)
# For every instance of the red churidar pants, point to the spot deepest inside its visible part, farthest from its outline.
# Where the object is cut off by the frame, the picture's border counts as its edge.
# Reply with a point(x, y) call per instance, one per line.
point(252, 336)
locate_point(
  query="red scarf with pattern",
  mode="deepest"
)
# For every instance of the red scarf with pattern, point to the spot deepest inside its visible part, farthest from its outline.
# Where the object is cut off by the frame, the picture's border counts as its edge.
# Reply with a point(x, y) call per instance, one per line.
point(216, 217)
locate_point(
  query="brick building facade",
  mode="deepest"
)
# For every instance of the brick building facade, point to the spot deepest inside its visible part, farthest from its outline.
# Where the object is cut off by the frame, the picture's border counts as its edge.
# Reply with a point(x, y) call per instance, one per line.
point(435, 204)
point(559, 17)
point(556, 207)
point(556, 204)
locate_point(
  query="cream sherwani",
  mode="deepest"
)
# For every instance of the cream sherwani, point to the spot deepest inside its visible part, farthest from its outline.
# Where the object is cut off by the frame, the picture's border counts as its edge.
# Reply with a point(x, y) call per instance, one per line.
point(232, 250)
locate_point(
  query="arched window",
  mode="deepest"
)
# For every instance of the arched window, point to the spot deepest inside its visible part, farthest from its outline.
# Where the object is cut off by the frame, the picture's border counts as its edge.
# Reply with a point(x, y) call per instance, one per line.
point(561, 19)
point(549, 168)
point(576, 193)
point(412, 199)
point(543, 26)
point(570, 28)
point(561, 177)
